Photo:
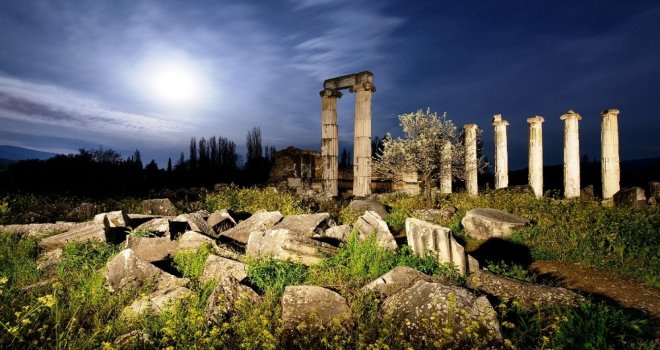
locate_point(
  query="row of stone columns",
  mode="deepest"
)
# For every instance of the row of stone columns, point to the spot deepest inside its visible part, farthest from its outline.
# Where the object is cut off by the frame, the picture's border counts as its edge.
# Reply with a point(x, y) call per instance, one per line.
point(610, 170)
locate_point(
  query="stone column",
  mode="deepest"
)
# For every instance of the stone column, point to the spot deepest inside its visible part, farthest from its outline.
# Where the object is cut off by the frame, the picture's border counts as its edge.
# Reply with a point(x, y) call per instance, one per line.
point(571, 154)
point(362, 142)
point(609, 158)
point(445, 167)
point(329, 141)
point(535, 164)
point(471, 159)
point(501, 154)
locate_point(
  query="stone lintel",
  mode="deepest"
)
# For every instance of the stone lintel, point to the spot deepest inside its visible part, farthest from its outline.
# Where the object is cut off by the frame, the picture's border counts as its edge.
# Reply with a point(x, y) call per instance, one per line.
point(497, 120)
point(570, 115)
point(363, 87)
point(610, 112)
point(470, 126)
point(330, 93)
point(535, 119)
point(348, 81)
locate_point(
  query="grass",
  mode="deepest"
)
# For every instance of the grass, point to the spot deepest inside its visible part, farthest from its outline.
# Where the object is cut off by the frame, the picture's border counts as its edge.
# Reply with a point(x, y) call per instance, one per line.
point(253, 199)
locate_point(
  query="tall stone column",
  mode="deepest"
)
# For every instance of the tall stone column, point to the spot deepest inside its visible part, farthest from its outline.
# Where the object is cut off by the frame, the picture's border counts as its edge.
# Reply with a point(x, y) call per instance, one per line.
point(445, 167)
point(471, 159)
point(609, 142)
point(362, 142)
point(535, 164)
point(329, 141)
point(571, 154)
point(501, 154)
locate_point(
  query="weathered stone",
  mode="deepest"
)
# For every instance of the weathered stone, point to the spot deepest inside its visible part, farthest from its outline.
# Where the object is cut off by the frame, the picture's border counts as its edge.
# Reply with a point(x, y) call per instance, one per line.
point(654, 192)
point(259, 221)
point(37, 231)
point(83, 212)
point(484, 223)
point(339, 233)
point(535, 162)
point(220, 221)
point(306, 225)
point(432, 313)
point(159, 300)
point(217, 268)
point(501, 154)
point(196, 222)
point(284, 244)
point(587, 192)
point(160, 226)
point(397, 279)
point(127, 271)
point(49, 259)
point(371, 223)
point(222, 301)
point(571, 154)
point(630, 197)
point(133, 340)
point(609, 141)
point(363, 205)
point(113, 219)
point(161, 206)
point(525, 293)
point(311, 304)
point(80, 234)
point(471, 170)
point(191, 240)
point(426, 239)
point(435, 216)
point(139, 219)
point(151, 248)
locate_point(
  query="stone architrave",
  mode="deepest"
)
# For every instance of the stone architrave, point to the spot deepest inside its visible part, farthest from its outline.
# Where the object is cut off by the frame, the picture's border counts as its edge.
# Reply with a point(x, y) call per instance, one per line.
point(501, 153)
point(445, 167)
point(329, 140)
point(362, 141)
point(471, 183)
point(571, 154)
point(609, 141)
point(535, 163)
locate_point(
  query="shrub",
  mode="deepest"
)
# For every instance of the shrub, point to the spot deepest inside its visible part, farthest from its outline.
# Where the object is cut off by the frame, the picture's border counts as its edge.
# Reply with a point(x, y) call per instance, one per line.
point(255, 199)
point(84, 258)
point(274, 275)
point(191, 262)
point(348, 216)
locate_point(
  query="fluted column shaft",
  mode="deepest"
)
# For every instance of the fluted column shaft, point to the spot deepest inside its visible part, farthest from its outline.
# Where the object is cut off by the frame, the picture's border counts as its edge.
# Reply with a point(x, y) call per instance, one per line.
point(362, 142)
point(571, 154)
point(501, 153)
point(535, 164)
point(471, 183)
point(445, 167)
point(609, 142)
point(329, 141)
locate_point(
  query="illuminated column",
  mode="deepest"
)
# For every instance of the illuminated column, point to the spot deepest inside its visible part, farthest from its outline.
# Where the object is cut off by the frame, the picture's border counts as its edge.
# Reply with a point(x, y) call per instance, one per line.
point(501, 156)
point(445, 168)
point(609, 142)
point(571, 154)
point(471, 159)
point(535, 164)
point(329, 140)
point(362, 142)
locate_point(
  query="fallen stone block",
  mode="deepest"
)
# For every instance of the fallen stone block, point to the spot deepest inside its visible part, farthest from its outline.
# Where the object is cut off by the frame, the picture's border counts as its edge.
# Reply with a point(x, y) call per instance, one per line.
point(151, 248)
point(396, 280)
point(313, 305)
point(283, 244)
point(630, 197)
point(161, 206)
point(127, 271)
point(195, 222)
point(259, 221)
point(222, 301)
point(306, 224)
point(218, 268)
point(159, 227)
point(371, 223)
point(485, 223)
point(80, 234)
point(159, 300)
point(220, 221)
point(364, 205)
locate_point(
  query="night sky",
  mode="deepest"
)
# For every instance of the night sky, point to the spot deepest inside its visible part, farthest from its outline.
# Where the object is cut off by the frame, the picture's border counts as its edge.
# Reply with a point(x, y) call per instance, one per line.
point(152, 74)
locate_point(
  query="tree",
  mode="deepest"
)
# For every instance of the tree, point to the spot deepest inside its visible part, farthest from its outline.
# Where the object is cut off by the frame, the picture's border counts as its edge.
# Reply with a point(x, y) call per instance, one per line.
point(192, 158)
point(419, 150)
point(253, 143)
point(344, 160)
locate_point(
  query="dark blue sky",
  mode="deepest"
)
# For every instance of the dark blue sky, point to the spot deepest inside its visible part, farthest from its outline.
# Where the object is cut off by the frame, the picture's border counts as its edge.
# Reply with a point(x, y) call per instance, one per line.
point(152, 74)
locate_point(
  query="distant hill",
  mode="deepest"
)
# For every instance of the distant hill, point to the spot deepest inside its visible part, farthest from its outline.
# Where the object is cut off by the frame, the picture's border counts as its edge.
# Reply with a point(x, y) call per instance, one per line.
point(20, 153)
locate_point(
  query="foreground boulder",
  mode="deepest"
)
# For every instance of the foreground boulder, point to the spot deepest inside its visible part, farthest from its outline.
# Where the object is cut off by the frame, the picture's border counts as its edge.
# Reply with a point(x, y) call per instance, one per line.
point(159, 300)
point(79, 234)
point(313, 305)
point(218, 268)
point(364, 205)
point(442, 316)
point(158, 226)
point(485, 223)
point(113, 220)
point(630, 197)
point(259, 221)
point(306, 224)
point(194, 222)
point(372, 223)
point(284, 244)
point(525, 293)
point(127, 271)
point(223, 300)
point(161, 206)
point(151, 248)
point(396, 280)
point(220, 221)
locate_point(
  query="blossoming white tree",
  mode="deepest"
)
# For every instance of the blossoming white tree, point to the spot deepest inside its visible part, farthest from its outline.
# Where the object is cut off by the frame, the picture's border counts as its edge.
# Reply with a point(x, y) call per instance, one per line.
point(419, 150)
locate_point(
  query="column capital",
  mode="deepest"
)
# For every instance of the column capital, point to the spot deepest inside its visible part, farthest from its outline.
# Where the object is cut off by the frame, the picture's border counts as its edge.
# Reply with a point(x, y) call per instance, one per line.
point(365, 86)
point(470, 126)
point(498, 121)
point(610, 112)
point(535, 119)
point(330, 93)
point(570, 115)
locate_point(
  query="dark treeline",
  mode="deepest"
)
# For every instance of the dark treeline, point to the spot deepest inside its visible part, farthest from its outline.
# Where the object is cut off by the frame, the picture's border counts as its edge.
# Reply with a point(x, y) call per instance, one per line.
point(104, 172)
